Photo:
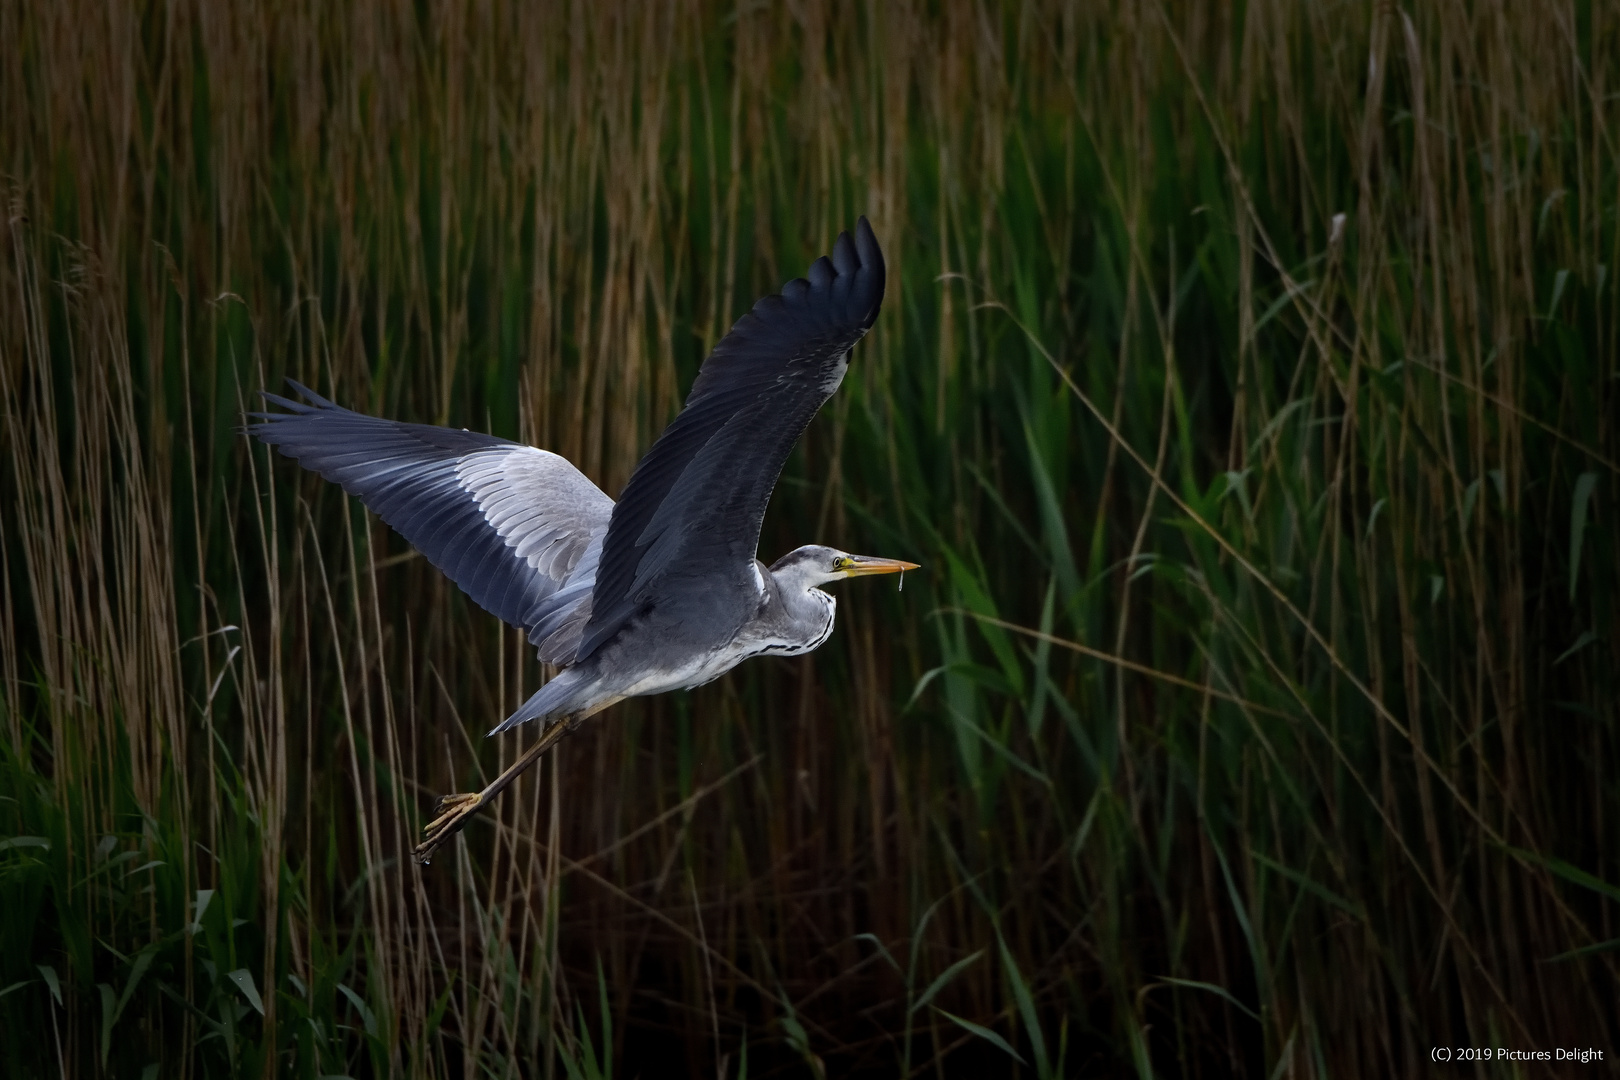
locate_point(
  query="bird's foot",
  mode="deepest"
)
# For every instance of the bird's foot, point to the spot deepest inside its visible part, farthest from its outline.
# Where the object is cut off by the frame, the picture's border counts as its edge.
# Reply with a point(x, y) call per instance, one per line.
point(454, 812)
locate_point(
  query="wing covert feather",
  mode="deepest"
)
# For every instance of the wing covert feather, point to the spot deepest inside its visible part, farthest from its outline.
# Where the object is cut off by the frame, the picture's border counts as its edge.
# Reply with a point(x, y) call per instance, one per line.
point(508, 523)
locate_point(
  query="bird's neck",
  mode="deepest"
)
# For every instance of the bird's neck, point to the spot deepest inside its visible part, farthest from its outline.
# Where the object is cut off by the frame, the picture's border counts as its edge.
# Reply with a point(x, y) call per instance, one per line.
point(800, 616)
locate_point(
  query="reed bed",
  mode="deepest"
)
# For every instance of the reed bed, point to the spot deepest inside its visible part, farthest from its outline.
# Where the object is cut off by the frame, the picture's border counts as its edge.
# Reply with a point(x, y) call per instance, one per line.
point(1246, 384)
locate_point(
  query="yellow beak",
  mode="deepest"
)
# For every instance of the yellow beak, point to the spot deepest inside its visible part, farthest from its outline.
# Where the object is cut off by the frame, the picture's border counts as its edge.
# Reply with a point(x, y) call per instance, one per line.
point(862, 565)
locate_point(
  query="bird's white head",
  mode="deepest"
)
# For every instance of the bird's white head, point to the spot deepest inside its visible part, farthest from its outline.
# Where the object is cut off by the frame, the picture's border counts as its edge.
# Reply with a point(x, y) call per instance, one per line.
point(804, 568)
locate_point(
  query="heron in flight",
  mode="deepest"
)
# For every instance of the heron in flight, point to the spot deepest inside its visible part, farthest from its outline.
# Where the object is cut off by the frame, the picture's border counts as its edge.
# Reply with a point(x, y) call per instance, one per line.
point(661, 590)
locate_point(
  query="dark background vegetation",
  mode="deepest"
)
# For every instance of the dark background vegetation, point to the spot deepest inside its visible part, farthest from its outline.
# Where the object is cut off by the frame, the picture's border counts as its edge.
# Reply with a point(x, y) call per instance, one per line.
point(1246, 383)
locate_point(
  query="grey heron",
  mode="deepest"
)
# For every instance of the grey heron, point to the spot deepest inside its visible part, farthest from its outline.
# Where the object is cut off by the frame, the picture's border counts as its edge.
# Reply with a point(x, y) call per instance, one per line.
point(661, 590)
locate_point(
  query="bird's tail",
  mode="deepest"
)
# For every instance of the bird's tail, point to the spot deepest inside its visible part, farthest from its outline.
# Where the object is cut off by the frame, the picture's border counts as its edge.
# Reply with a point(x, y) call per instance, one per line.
point(572, 696)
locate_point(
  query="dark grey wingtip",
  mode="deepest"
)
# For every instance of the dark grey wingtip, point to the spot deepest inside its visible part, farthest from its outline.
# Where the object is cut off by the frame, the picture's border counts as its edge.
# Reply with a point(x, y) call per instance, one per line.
point(312, 402)
point(872, 276)
point(853, 274)
point(267, 422)
point(264, 423)
point(311, 396)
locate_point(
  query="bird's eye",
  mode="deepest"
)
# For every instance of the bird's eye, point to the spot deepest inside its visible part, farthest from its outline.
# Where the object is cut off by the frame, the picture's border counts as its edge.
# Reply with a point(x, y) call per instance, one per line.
point(842, 562)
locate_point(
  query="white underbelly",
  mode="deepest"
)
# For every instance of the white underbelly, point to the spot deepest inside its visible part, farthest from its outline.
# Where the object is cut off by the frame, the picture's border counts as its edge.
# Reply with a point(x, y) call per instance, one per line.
point(695, 673)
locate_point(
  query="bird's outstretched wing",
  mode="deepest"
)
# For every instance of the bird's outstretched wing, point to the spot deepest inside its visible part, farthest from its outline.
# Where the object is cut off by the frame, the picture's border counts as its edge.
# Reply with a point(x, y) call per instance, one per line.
point(689, 520)
point(508, 523)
